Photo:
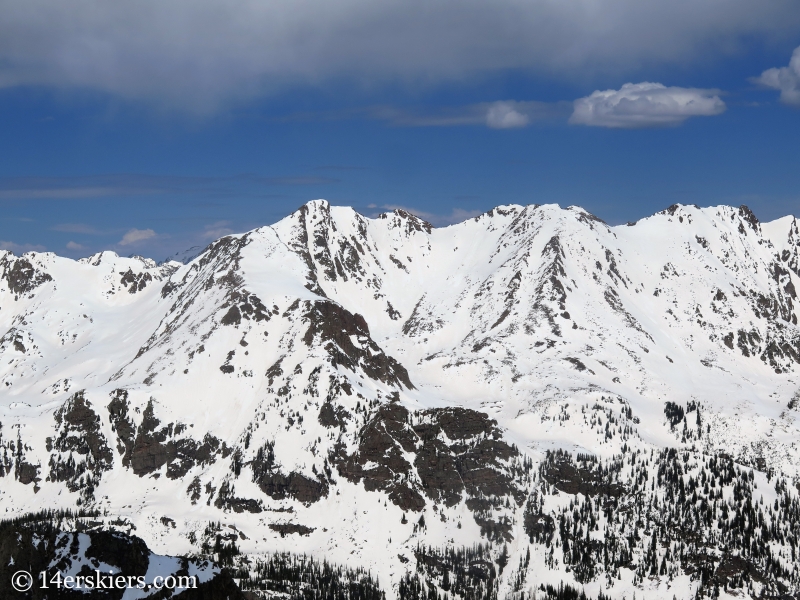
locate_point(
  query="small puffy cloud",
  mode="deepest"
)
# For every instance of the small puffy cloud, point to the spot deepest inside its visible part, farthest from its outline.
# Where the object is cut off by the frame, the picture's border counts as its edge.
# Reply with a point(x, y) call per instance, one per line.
point(20, 248)
point(785, 79)
point(638, 105)
point(504, 115)
point(75, 246)
point(134, 236)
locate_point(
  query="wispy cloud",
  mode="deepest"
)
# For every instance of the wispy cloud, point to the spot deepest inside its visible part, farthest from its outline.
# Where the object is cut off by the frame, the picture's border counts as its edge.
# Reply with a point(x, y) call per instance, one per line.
point(639, 105)
point(75, 246)
point(77, 228)
point(501, 114)
point(784, 79)
point(506, 115)
point(134, 236)
point(21, 248)
point(64, 193)
point(216, 230)
point(296, 180)
point(137, 184)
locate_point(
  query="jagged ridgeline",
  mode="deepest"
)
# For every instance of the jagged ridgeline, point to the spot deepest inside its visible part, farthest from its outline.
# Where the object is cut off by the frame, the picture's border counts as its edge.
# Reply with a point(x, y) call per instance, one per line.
point(528, 403)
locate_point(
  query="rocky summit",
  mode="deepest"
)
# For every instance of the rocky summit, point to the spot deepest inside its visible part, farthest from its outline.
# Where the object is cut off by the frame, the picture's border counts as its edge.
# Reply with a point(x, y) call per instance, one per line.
point(529, 403)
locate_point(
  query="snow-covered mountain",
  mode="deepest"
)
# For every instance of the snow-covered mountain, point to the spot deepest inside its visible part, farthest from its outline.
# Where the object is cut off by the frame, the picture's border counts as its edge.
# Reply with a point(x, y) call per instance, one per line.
point(586, 401)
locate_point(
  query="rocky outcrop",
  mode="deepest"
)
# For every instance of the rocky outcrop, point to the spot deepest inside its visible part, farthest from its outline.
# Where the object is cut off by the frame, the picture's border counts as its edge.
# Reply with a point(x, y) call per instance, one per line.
point(227, 500)
point(135, 282)
point(345, 336)
point(278, 485)
point(147, 448)
point(289, 528)
point(243, 305)
point(80, 452)
point(13, 461)
point(560, 471)
point(21, 276)
point(458, 455)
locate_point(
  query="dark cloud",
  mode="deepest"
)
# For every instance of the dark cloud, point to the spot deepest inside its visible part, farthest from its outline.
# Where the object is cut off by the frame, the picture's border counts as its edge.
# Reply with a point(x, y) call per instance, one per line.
point(199, 55)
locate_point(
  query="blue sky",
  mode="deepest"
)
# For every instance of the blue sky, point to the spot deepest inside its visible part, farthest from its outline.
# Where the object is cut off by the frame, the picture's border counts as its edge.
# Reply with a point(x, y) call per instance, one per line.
point(149, 132)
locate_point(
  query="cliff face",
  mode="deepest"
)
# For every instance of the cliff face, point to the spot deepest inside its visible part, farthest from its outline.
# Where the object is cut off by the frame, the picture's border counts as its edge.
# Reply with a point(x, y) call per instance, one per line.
point(362, 389)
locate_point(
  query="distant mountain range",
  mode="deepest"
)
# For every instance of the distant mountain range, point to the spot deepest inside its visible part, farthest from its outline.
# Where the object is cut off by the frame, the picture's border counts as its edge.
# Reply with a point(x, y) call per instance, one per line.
point(528, 403)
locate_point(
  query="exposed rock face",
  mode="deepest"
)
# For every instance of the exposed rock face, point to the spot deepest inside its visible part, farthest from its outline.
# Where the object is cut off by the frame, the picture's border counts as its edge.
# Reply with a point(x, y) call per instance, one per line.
point(243, 305)
point(78, 435)
point(121, 422)
point(409, 222)
point(278, 485)
point(151, 447)
point(290, 528)
point(333, 417)
point(379, 460)
point(13, 461)
point(334, 327)
point(135, 282)
point(21, 276)
point(16, 339)
point(227, 500)
point(560, 471)
point(459, 454)
point(6, 456)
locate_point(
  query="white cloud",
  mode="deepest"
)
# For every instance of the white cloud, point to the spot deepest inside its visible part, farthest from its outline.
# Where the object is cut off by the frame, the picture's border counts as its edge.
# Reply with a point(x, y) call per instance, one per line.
point(21, 248)
point(504, 115)
point(201, 54)
point(785, 79)
point(638, 105)
point(75, 246)
point(134, 236)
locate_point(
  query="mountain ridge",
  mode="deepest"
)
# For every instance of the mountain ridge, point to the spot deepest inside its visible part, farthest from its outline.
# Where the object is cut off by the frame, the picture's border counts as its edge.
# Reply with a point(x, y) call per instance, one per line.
point(333, 378)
